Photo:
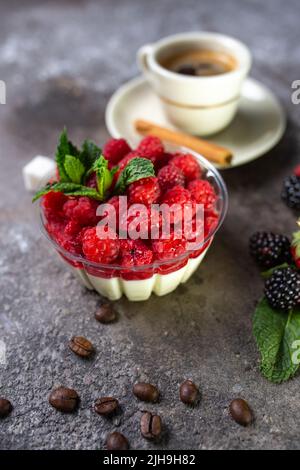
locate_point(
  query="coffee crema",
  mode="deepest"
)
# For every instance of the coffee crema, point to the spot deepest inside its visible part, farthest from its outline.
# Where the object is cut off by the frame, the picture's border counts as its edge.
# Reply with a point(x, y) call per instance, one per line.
point(200, 63)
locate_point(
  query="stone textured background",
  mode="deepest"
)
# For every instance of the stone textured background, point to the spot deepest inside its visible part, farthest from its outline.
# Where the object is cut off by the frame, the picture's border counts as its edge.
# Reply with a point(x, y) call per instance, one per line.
point(61, 61)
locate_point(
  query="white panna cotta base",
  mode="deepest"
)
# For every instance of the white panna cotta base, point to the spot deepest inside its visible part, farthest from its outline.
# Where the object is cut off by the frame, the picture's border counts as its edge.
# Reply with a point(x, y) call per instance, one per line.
point(139, 290)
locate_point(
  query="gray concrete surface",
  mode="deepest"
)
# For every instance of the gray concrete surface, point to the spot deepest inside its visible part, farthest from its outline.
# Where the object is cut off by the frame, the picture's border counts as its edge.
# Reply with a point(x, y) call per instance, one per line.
point(61, 62)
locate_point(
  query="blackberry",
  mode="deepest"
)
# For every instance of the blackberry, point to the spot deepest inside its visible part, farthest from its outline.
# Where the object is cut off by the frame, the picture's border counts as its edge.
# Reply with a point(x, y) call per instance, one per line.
point(282, 289)
point(270, 249)
point(291, 192)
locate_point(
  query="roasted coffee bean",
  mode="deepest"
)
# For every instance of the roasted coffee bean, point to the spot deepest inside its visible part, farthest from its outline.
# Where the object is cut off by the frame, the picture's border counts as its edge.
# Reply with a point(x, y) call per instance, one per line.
point(116, 441)
point(188, 392)
point(5, 407)
point(146, 392)
point(150, 425)
point(81, 346)
point(64, 399)
point(241, 412)
point(106, 406)
point(106, 314)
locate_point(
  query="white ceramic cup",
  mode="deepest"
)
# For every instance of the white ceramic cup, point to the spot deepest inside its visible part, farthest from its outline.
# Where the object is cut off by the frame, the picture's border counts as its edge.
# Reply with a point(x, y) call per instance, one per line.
point(200, 105)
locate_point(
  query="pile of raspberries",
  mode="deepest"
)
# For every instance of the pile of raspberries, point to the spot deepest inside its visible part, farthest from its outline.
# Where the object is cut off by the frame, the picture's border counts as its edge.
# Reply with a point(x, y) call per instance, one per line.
point(71, 221)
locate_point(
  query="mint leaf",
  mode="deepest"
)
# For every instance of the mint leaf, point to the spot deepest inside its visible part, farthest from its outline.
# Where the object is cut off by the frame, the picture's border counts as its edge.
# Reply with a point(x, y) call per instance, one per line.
point(69, 189)
point(275, 333)
point(89, 153)
point(74, 168)
point(65, 147)
point(136, 169)
point(103, 174)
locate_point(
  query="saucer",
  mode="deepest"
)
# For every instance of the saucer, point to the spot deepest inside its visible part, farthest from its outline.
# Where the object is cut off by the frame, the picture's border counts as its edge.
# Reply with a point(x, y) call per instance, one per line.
point(258, 125)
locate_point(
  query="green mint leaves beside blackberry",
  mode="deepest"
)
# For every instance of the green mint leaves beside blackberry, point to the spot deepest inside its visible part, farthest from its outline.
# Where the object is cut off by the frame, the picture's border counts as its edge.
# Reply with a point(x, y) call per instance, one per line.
point(74, 169)
point(69, 189)
point(275, 333)
point(136, 169)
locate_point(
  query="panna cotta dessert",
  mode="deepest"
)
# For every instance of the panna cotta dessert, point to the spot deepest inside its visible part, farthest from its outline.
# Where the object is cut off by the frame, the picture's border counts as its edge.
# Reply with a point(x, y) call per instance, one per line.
point(131, 221)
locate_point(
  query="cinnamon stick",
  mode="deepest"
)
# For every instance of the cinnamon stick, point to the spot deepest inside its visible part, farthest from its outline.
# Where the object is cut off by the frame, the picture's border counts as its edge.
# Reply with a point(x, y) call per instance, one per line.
point(213, 152)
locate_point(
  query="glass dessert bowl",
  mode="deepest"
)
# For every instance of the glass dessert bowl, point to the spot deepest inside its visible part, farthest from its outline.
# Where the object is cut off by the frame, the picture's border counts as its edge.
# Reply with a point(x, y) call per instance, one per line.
point(136, 268)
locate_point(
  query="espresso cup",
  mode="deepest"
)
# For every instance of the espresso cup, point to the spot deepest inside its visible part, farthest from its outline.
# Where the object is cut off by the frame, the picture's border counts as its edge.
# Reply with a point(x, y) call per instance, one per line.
point(200, 105)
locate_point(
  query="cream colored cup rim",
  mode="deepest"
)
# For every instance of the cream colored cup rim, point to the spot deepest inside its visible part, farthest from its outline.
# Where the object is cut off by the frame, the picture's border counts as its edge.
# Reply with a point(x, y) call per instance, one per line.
point(238, 49)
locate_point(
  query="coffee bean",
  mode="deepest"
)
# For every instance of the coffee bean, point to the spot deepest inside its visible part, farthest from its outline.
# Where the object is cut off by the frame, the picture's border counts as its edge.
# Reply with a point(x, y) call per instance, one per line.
point(106, 314)
point(241, 412)
point(5, 407)
point(116, 441)
point(81, 346)
point(106, 406)
point(188, 392)
point(64, 399)
point(146, 392)
point(151, 425)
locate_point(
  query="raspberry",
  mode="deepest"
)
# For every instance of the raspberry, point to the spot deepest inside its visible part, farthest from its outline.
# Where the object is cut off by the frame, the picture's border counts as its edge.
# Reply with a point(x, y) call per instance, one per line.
point(188, 164)
point(55, 227)
point(144, 191)
point(100, 250)
point(52, 204)
point(169, 247)
point(144, 224)
point(152, 148)
point(170, 176)
point(115, 149)
point(269, 249)
point(164, 160)
point(180, 196)
point(68, 241)
point(193, 231)
point(72, 228)
point(291, 192)
point(203, 193)
point(83, 210)
point(210, 222)
point(134, 253)
point(115, 202)
point(282, 289)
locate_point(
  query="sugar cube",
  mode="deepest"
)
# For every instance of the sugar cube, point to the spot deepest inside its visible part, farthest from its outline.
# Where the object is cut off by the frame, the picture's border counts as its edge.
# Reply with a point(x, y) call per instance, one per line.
point(38, 171)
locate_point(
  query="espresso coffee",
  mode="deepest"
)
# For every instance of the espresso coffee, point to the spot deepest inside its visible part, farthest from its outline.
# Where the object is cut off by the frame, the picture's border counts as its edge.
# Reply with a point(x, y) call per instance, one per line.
point(200, 62)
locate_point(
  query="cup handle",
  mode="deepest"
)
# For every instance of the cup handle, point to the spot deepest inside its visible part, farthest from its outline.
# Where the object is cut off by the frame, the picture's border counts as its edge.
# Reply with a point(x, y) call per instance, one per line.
point(142, 58)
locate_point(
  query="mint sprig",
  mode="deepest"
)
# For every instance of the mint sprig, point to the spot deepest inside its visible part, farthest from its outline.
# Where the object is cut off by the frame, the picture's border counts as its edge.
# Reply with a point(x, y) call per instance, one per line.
point(75, 166)
point(275, 333)
point(136, 169)
point(69, 189)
